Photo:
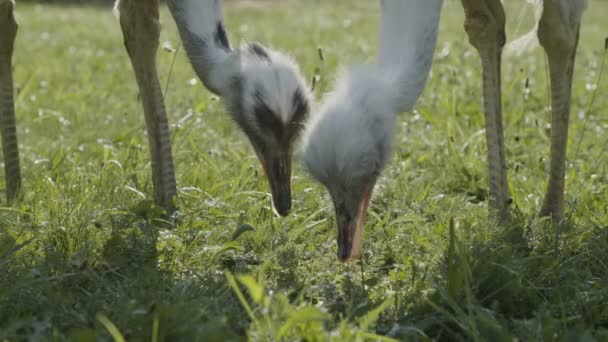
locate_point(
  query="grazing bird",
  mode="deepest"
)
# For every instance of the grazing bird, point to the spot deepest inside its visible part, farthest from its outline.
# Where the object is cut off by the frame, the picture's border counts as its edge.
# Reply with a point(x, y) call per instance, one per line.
point(263, 89)
point(348, 141)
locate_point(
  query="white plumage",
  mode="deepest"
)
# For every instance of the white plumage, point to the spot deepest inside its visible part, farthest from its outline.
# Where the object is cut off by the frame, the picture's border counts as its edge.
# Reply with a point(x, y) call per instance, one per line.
point(407, 39)
point(351, 133)
point(350, 137)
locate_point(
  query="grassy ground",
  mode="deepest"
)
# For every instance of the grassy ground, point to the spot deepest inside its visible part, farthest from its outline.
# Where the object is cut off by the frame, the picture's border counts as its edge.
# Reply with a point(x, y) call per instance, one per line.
point(83, 255)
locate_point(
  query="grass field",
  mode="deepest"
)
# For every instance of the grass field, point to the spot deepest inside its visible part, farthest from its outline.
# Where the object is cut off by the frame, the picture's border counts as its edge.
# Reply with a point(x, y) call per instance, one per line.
point(84, 256)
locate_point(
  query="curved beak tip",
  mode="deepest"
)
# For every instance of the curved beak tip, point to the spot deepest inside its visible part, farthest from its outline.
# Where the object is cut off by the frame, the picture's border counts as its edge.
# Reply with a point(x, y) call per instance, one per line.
point(343, 257)
point(346, 255)
point(282, 207)
point(278, 173)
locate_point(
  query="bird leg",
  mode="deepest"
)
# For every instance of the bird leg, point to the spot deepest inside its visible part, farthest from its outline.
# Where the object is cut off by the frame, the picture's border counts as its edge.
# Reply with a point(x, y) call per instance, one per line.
point(8, 126)
point(558, 33)
point(140, 25)
point(485, 26)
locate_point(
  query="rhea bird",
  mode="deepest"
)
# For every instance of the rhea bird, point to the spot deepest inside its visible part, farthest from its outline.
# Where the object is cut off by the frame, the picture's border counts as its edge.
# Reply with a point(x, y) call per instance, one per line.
point(264, 91)
point(348, 141)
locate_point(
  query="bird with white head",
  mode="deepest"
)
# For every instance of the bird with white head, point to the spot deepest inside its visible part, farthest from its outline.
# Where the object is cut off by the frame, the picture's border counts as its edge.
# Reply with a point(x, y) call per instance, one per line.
point(263, 89)
point(348, 142)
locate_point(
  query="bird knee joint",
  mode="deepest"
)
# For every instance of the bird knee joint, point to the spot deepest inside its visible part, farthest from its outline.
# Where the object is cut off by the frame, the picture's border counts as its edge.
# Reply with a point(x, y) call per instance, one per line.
point(139, 21)
point(555, 37)
point(484, 28)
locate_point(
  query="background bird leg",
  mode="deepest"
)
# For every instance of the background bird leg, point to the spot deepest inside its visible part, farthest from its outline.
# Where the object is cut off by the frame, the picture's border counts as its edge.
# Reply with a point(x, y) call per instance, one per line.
point(558, 33)
point(141, 29)
point(8, 31)
point(485, 26)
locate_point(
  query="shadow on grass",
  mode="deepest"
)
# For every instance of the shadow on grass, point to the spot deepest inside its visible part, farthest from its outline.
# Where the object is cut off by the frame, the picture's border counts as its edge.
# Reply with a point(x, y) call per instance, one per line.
point(61, 296)
point(529, 281)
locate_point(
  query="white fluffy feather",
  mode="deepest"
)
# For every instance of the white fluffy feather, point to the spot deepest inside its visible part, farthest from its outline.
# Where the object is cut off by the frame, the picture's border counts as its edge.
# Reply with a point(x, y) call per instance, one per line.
point(348, 141)
point(239, 75)
point(350, 136)
point(408, 35)
point(278, 79)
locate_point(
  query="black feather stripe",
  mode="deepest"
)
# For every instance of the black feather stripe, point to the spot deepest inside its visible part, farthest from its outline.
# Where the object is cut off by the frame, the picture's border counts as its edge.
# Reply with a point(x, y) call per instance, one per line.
point(220, 37)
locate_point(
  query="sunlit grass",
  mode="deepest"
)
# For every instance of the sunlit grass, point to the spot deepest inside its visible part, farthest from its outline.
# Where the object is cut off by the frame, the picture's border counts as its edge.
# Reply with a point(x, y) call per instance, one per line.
point(83, 254)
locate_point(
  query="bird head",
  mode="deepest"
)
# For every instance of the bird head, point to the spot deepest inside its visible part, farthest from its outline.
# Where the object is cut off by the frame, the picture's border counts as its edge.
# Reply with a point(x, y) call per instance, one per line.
point(346, 146)
point(264, 90)
point(270, 102)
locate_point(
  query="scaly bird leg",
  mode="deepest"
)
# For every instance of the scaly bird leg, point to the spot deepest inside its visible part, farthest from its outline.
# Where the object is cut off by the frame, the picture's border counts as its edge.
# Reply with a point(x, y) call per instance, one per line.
point(8, 126)
point(485, 26)
point(558, 33)
point(139, 20)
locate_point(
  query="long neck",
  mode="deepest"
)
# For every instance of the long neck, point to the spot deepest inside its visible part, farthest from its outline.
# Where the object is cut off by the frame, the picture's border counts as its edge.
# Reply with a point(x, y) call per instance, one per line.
point(408, 34)
point(205, 39)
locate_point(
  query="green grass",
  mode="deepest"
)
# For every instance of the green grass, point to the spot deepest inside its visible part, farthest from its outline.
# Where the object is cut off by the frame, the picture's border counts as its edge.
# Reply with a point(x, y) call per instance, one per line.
point(83, 255)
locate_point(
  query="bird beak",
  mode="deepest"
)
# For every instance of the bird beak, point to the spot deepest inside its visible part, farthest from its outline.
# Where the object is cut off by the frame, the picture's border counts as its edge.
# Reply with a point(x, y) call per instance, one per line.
point(350, 226)
point(277, 167)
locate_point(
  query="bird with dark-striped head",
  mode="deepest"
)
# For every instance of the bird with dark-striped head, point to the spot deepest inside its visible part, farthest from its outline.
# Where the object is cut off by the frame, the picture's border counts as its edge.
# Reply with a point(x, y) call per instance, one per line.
point(264, 91)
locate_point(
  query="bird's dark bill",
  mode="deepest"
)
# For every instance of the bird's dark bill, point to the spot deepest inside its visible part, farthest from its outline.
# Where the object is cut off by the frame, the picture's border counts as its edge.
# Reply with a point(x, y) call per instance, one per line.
point(350, 228)
point(278, 173)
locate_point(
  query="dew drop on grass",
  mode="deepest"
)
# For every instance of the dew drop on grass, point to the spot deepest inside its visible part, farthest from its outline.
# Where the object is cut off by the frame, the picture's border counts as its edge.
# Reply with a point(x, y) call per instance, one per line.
point(590, 86)
point(444, 53)
point(168, 47)
point(65, 122)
